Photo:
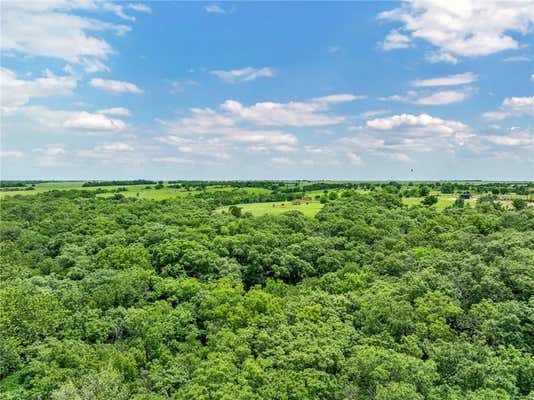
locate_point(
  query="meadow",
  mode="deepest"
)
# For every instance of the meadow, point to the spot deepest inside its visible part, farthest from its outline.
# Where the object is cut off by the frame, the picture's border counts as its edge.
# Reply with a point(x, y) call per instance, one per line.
point(309, 209)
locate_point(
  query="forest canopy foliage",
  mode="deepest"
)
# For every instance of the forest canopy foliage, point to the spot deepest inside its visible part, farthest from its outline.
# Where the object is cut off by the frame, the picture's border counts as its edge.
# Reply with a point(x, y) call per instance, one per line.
point(124, 298)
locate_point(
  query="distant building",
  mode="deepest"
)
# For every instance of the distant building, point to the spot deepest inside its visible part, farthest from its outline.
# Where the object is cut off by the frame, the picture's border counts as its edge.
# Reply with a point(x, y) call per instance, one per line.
point(465, 195)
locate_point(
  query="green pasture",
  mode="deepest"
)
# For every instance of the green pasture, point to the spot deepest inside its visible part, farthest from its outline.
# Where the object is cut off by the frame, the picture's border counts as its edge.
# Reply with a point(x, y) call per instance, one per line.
point(169, 193)
point(256, 209)
point(139, 191)
point(444, 201)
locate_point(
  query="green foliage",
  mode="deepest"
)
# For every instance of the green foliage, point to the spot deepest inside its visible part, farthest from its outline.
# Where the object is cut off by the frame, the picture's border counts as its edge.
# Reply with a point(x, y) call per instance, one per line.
point(429, 200)
point(126, 298)
point(519, 204)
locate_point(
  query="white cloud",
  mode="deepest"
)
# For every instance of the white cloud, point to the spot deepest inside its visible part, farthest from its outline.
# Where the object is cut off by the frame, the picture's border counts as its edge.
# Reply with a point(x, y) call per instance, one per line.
point(316, 150)
point(11, 154)
point(495, 115)
point(307, 113)
point(393, 137)
point(354, 159)
point(520, 105)
point(93, 122)
point(246, 74)
point(114, 86)
point(18, 92)
point(140, 8)
point(115, 146)
point(395, 40)
point(214, 9)
point(92, 65)
point(282, 160)
point(119, 111)
point(173, 160)
point(398, 157)
point(450, 80)
point(51, 155)
point(62, 121)
point(512, 106)
point(517, 59)
point(431, 98)
point(443, 97)
point(464, 28)
point(373, 113)
point(54, 29)
point(113, 153)
point(513, 144)
point(410, 121)
point(219, 133)
point(337, 98)
point(519, 139)
point(52, 151)
point(437, 57)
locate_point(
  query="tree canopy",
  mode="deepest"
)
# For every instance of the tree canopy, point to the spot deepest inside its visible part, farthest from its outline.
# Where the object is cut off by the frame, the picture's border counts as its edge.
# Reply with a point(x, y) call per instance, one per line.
point(117, 298)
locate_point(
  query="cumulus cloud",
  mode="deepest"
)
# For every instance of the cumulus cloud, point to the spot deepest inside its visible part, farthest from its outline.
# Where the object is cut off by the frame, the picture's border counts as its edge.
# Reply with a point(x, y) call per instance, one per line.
point(450, 80)
point(519, 139)
point(93, 122)
point(115, 87)
point(312, 112)
point(61, 29)
point(410, 121)
point(463, 28)
point(246, 74)
point(18, 92)
point(397, 136)
point(233, 125)
point(63, 121)
point(512, 106)
point(521, 105)
point(298, 114)
point(514, 143)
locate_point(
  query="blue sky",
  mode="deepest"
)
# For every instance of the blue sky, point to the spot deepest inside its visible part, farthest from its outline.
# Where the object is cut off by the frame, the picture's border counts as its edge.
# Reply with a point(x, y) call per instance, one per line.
point(361, 90)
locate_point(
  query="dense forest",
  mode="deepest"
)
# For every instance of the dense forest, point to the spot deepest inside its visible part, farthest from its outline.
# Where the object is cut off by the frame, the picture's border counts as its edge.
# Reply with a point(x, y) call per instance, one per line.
point(126, 298)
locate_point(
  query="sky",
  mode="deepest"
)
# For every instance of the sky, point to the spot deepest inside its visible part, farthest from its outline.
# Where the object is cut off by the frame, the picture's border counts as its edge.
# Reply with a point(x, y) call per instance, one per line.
point(267, 90)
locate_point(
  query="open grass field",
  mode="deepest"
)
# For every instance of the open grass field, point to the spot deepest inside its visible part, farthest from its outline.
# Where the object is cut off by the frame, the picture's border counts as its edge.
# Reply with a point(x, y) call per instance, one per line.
point(139, 191)
point(149, 192)
point(444, 201)
point(169, 193)
point(44, 187)
point(258, 209)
